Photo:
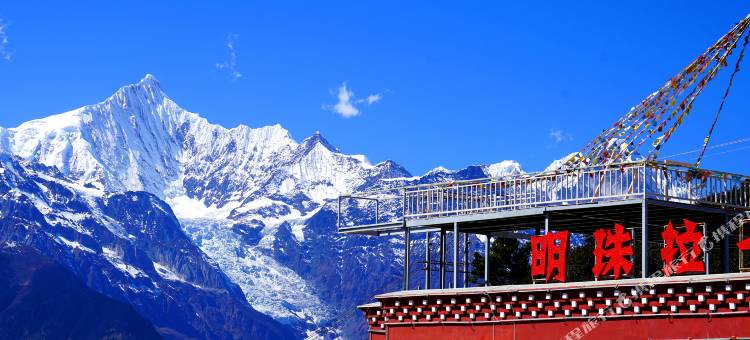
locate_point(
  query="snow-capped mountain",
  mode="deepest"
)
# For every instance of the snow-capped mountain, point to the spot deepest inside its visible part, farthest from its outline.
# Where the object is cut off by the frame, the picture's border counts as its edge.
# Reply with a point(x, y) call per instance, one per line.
point(139, 139)
point(127, 246)
point(253, 199)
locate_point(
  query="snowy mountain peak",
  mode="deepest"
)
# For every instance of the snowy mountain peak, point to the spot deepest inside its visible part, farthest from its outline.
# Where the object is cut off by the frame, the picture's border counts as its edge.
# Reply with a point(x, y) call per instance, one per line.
point(393, 168)
point(439, 170)
point(318, 139)
point(149, 84)
point(147, 90)
point(149, 78)
point(504, 168)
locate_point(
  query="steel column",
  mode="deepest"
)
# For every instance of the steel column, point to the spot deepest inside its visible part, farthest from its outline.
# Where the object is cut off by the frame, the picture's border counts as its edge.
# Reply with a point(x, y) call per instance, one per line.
point(546, 223)
point(487, 261)
point(725, 248)
point(644, 239)
point(706, 252)
point(427, 267)
point(455, 255)
point(466, 260)
point(442, 258)
point(407, 251)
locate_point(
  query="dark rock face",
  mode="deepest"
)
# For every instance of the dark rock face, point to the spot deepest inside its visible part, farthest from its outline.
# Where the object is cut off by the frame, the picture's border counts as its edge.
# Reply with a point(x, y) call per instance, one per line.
point(130, 248)
point(40, 299)
point(348, 270)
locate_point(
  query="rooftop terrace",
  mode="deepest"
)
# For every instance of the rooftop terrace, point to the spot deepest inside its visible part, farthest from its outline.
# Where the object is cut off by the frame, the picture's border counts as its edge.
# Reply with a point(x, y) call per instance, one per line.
point(489, 201)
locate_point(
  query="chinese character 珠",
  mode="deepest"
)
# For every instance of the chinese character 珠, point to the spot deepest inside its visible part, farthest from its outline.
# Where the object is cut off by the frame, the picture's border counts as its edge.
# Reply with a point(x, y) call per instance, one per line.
point(613, 252)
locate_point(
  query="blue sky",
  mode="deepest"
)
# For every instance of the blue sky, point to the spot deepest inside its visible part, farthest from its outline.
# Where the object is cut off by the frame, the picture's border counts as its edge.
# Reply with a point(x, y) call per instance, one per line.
point(433, 83)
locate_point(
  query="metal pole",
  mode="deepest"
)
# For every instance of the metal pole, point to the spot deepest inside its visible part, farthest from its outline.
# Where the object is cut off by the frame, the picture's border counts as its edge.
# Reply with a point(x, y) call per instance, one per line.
point(427, 267)
point(442, 258)
point(706, 256)
point(725, 249)
point(407, 250)
point(644, 239)
point(455, 254)
point(466, 260)
point(487, 261)
point(546, 223)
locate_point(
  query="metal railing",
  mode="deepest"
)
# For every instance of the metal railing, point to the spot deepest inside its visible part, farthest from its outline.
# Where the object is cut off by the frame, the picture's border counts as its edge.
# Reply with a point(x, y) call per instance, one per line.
point(614, 182)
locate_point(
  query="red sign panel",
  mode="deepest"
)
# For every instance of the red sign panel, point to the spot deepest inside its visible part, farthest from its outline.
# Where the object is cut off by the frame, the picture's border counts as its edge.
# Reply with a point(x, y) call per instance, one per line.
point(613, 252)
point(684, 246)
point(548, 256)
point(744, 244)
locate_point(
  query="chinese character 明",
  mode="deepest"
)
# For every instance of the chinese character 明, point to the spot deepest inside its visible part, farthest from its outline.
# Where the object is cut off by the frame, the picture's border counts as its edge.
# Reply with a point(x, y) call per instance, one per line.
point(613, 252)
point(548, 254)
point(675, 242)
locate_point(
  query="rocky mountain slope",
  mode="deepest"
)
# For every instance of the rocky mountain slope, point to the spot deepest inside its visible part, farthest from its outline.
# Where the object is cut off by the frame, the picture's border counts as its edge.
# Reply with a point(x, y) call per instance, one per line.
point(38, 295)
point(129, 247)
point(253, 199)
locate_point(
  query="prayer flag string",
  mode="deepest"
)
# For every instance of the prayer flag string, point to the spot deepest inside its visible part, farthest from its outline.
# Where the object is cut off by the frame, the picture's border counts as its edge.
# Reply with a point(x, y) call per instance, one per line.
point(659, 115)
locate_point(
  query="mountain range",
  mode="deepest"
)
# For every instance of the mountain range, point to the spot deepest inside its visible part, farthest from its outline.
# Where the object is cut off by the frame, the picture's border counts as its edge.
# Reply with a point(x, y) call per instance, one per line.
point(207, 232)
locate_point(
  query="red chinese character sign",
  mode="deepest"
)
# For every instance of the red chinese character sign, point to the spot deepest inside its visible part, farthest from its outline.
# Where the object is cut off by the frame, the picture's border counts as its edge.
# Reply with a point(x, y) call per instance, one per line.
point(548, 256)
point(613, 252)
point(743, 245)
point(682, 252)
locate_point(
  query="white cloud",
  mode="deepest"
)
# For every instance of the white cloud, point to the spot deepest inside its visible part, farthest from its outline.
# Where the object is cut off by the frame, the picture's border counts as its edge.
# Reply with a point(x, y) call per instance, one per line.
point(231, 64)
point(347, 105)
point(559, 136)
point(4, 52)
point(374, 98)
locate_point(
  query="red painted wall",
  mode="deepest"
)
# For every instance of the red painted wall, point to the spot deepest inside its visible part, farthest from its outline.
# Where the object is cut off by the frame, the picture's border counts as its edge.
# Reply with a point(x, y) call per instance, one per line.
point(612, 329)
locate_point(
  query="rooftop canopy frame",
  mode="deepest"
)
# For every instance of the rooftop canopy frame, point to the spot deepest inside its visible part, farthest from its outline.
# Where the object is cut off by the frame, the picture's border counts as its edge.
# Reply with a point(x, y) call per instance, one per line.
point(643, 196)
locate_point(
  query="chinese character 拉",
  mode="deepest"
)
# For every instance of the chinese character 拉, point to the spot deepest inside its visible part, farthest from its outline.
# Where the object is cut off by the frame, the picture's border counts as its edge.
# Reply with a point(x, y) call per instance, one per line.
point(687, 245)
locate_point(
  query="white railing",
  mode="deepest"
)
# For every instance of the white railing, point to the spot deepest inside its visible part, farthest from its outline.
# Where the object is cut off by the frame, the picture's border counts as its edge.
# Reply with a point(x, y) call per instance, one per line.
point(614, 182)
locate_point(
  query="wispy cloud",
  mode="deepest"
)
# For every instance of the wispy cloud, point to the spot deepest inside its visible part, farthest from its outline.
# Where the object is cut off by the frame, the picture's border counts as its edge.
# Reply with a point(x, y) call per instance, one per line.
point(559, 136)
point(4, 52)
point(231, 64)
point(348, 104)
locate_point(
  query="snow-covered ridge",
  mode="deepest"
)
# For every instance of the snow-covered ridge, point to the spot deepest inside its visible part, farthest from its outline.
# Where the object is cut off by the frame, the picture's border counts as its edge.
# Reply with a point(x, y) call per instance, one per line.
point(504, 168)
point(139, 139)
